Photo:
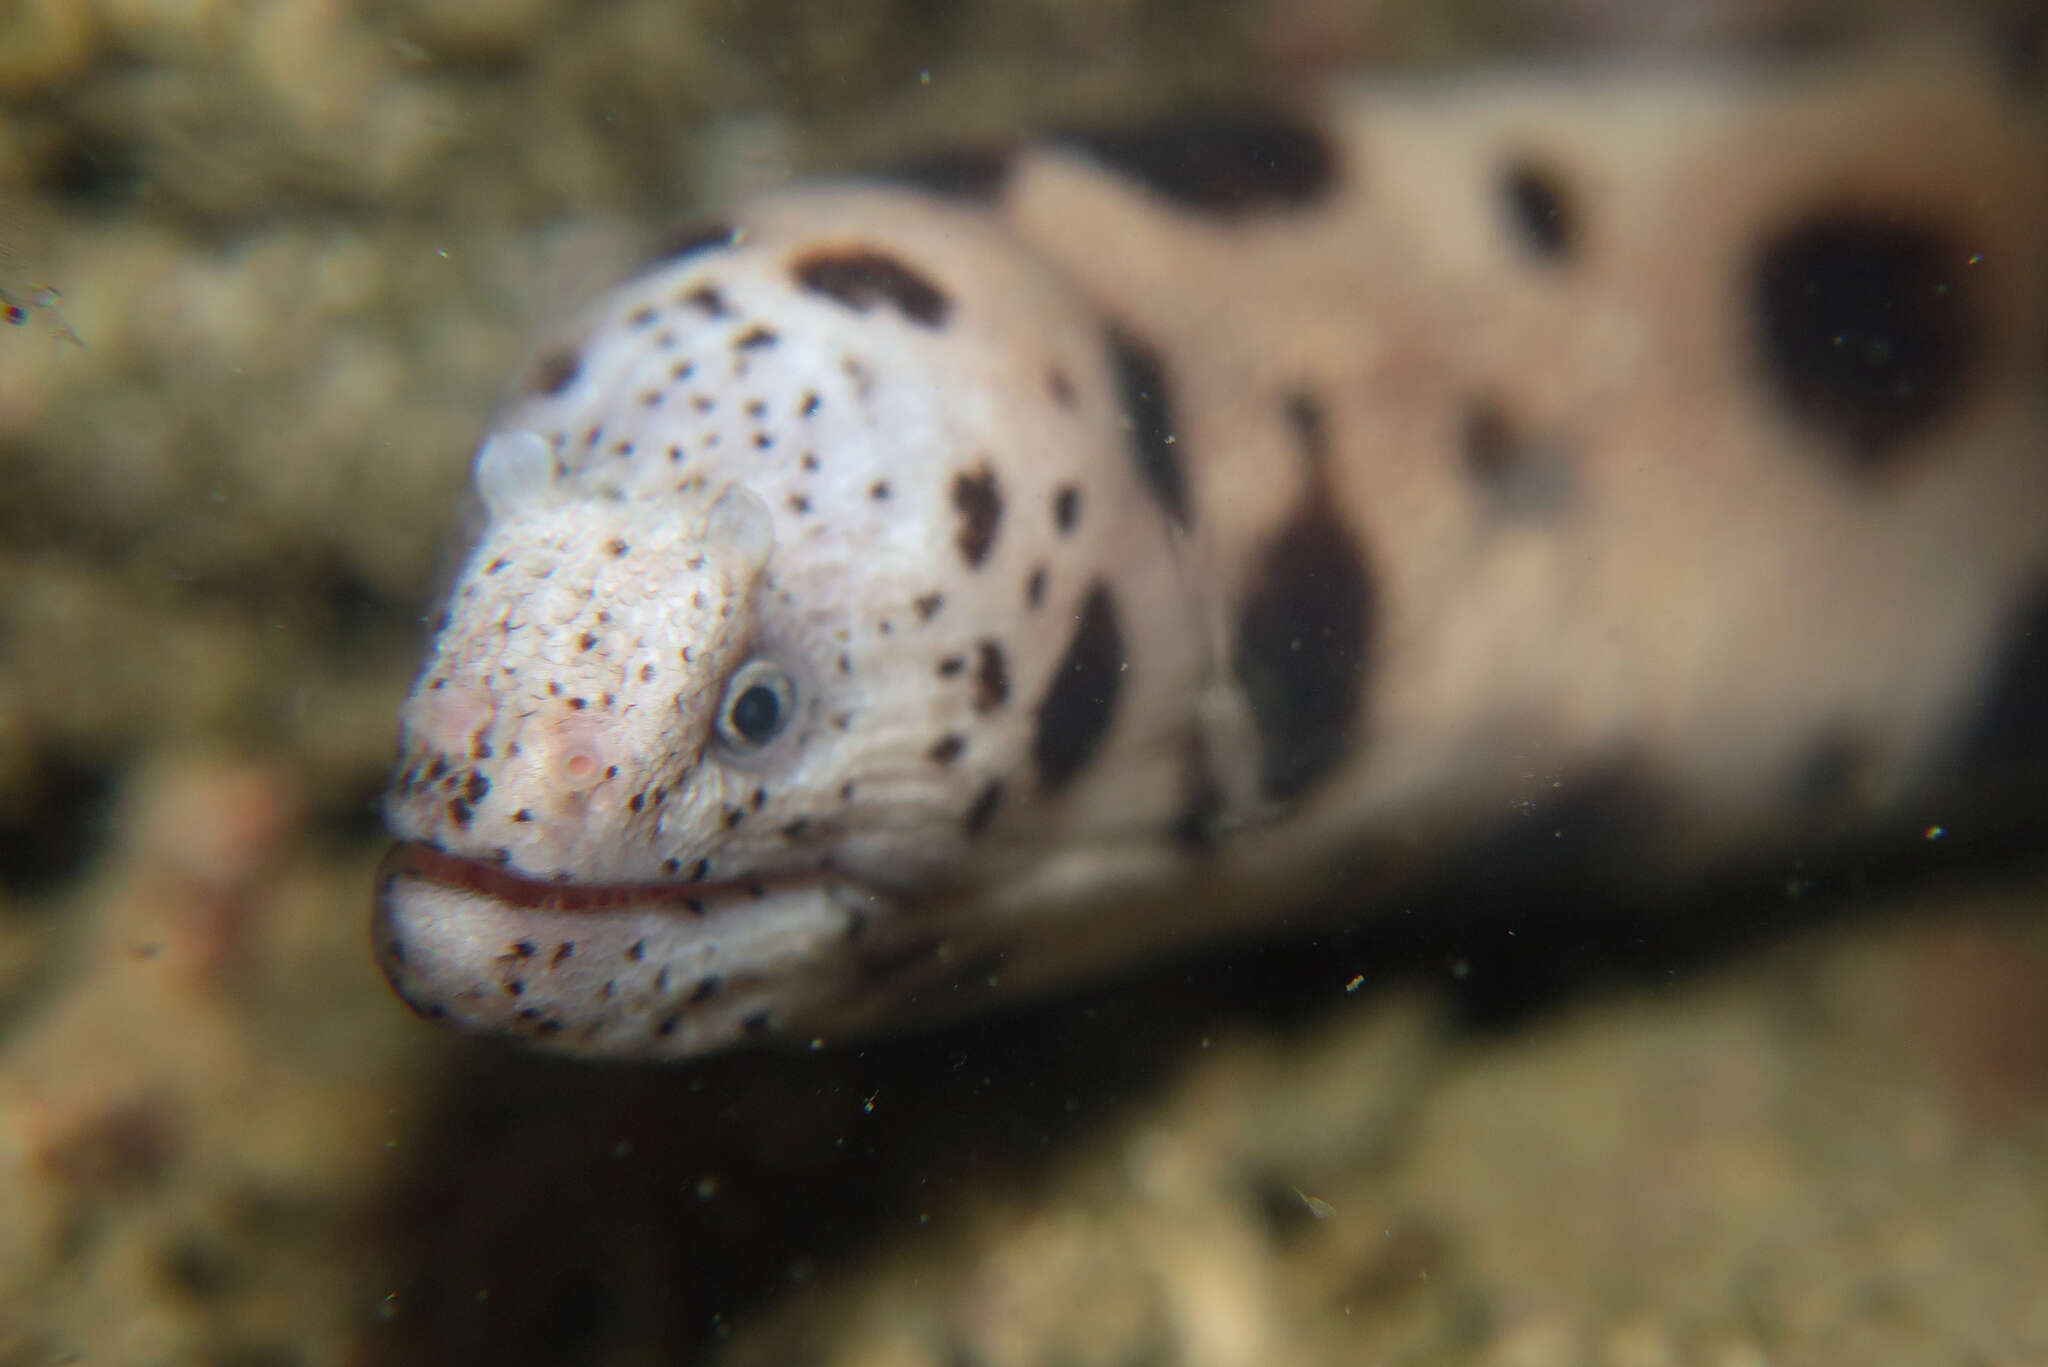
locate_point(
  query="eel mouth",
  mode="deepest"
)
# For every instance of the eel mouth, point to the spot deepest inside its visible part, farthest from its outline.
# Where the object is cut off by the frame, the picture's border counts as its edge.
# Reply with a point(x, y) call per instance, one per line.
point(411, 860)
point(643, 970)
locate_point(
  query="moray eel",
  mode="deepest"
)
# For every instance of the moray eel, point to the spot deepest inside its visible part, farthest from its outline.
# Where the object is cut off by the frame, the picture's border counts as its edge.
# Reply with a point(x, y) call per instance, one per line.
point(907, 591)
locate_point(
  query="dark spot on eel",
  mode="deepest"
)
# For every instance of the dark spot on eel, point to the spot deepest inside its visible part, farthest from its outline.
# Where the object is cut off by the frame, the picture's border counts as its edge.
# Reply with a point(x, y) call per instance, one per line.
point(1080, 702)
point(1148, 409)
point(991, 678)
point(1869, 325)
point(979, 500)
point(1302, 636)
point(860, 279)
point(984, 807)
point(1541, 211)
point(1224, 164)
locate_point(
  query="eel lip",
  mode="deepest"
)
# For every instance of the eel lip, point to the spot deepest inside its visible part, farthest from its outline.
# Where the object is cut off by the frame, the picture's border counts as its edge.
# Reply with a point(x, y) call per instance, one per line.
point(647, 971)
point(411, 860)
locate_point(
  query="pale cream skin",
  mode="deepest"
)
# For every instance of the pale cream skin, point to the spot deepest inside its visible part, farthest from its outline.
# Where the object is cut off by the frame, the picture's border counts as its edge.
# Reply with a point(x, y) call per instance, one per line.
point(894, 601)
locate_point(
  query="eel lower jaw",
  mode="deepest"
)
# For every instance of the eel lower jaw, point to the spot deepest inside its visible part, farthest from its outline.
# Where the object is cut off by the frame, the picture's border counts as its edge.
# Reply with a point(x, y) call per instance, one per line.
point(670, 970)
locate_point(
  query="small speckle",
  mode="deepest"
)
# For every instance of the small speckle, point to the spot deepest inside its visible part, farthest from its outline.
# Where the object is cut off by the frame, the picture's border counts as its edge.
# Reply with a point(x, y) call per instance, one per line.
point(947, 749)
point(991, 678)
point(984, 807)
point(928, 605)
point(879, 490)
point(979, 499)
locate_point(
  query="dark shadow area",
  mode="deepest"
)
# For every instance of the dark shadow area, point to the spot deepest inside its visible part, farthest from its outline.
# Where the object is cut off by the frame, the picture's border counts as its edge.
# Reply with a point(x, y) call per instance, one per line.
point(569, 1212)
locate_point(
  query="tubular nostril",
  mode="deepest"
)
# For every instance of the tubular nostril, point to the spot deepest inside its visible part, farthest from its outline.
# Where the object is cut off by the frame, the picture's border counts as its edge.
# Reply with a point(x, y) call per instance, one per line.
point(573, 757)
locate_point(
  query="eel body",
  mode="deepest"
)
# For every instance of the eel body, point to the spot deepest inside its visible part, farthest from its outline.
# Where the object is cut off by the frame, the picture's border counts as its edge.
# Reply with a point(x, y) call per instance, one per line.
point(908, 590)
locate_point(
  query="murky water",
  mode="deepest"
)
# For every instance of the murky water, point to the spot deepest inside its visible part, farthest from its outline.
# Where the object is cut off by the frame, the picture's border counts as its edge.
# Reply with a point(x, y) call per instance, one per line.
point(265, 273)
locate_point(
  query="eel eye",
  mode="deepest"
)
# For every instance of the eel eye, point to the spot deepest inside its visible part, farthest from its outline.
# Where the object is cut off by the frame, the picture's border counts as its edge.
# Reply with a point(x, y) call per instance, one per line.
point(758, 704)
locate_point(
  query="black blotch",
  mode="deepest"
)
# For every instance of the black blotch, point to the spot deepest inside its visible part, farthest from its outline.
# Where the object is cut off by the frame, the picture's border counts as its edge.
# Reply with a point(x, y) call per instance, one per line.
point(460, 812)
point(979, 500)
point(1148, 408)
point(1231, 163)
point(523, 815)
point(860, 279)
point(706, 300)
point(1302, 635)
point(564, 952)
point(1034, 588)
point(516, 987)
point(755, 1024)
point(928, 605)
point(951, 665)
point(1869, 326)
point(637, 951)
point(947, 749)
point(1541, 211)
point(476, 787)
point(1066, 508)
point(700, 871)
point(975, 174)
point(1080, 702)
point(693, 238)
point(669, 1024)
point(879, 490)
point(991, 678)
point(554, 372)
point(984, 807)
point(755, 338)
point(706, 988)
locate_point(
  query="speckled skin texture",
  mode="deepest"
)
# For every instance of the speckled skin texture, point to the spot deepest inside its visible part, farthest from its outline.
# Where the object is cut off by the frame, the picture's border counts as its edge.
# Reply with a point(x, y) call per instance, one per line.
point(1140, 534)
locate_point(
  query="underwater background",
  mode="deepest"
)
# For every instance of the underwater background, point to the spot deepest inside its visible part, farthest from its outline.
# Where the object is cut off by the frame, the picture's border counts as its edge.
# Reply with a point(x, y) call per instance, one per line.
point(268, 264)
